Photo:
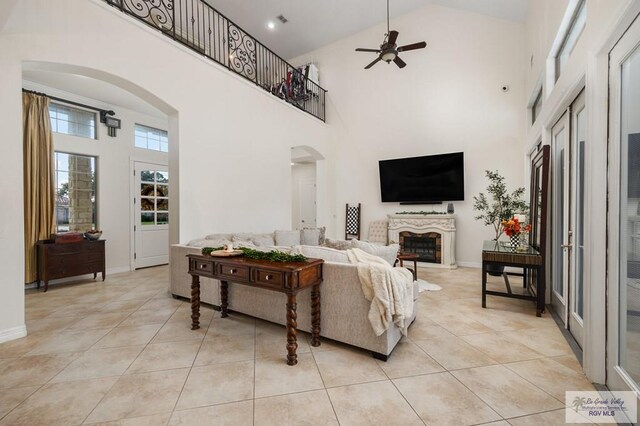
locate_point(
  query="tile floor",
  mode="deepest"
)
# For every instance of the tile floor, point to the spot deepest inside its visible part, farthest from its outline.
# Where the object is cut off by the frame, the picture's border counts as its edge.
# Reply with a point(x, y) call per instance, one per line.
point(121, 352)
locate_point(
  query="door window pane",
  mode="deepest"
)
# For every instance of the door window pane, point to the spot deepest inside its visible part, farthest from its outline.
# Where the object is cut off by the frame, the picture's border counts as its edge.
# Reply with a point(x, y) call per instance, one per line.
point(147, 218)
point(629, 300)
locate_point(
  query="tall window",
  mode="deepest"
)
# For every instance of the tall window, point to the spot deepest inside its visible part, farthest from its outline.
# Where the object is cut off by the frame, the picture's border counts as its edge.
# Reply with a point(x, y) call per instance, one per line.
point(536, 107)
point(72, 121)
point(150, 138)
point(75, 192)
point(570, 39)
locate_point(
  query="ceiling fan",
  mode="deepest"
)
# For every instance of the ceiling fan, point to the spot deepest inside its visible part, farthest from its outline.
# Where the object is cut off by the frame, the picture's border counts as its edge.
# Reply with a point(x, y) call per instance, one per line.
point(388, 50)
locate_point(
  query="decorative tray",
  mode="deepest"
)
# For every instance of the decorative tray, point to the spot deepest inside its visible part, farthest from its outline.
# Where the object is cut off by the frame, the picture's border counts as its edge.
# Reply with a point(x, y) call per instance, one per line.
point(224, 253)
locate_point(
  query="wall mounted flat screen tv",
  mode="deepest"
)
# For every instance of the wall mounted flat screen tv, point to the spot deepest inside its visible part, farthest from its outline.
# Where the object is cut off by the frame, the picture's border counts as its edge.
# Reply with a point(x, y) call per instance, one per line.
point(428, 179)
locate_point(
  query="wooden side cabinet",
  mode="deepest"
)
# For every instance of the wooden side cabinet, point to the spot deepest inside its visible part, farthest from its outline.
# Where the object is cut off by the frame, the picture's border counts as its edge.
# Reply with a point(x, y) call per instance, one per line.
point(69, 259)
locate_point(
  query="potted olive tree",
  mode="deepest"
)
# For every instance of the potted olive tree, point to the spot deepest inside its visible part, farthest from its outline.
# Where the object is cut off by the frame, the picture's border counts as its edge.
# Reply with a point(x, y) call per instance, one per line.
point(497, 206)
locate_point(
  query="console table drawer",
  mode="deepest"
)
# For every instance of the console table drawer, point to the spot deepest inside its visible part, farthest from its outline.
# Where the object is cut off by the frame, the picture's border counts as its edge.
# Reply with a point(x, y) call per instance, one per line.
point(202, 266)
point(233, 271)
point(268, 278)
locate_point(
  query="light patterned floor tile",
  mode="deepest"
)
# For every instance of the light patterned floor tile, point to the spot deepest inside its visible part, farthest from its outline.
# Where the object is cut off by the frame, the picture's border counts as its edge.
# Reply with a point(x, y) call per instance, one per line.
point(341, 367)
point(454, 353)
point(407, 359)
point(305, 408)
point(232, 414)
point(218, 383)
point(275, 377)
point(99, 363)
point(60, 403)
point(377, 403)
point(140, 395)
point(440, 399)
point(506, 392)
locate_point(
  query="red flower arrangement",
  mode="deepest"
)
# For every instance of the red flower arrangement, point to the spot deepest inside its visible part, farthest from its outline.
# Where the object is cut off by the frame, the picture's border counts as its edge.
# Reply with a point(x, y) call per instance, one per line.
point(513, 227)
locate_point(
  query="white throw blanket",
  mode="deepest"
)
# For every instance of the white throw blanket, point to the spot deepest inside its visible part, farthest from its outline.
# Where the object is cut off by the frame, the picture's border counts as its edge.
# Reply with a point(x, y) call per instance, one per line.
point(389, 289)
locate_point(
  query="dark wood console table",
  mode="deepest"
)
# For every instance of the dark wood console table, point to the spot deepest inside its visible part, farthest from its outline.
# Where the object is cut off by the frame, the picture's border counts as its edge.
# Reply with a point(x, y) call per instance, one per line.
point(284, 277)
point(62, 260)
point(495, 252)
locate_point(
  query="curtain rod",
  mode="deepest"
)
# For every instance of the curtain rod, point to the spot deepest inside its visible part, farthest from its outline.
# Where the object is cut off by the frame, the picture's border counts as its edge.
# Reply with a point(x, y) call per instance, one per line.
point(101, 110)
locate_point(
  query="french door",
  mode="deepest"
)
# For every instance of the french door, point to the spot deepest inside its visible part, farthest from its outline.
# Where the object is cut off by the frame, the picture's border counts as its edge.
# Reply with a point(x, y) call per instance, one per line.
point(623, 268)
point(568, 160)
point(151, 215)
point(561, 208)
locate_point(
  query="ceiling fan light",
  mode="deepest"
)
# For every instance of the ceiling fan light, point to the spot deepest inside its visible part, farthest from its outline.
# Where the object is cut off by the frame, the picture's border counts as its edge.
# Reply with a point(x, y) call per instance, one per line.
point(388, 56)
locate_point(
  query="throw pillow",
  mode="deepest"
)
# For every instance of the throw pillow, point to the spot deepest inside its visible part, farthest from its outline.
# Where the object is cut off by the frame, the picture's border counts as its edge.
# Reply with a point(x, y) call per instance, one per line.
point(338, 244)
point(324, 253)
point(323, 231)
point(310, 236)
point(388, 253)
point(263, 240)
point(287, 238)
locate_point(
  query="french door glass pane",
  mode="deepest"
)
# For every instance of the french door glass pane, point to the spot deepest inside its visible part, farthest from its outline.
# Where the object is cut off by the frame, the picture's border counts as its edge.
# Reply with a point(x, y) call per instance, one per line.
point(581, 125)
point(629, 321)
point(558, 258)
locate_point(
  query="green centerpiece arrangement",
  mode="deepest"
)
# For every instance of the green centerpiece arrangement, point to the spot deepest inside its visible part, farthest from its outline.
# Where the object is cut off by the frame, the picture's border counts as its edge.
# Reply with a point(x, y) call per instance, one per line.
point(273, 256)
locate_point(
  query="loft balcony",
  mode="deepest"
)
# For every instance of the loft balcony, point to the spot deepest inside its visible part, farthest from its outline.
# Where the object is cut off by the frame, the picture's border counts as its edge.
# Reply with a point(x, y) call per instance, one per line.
point(201, 28)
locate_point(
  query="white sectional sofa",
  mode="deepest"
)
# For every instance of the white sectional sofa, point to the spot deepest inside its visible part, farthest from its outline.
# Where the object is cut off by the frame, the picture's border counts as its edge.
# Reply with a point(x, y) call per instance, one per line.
point(344, 307)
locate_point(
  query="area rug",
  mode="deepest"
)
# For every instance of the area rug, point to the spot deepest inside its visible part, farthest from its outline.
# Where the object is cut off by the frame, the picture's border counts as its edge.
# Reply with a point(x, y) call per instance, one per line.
point(427, 286)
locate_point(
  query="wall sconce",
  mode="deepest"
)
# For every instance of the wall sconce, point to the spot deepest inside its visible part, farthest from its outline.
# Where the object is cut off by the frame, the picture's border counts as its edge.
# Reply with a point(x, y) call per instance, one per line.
point(111, 122)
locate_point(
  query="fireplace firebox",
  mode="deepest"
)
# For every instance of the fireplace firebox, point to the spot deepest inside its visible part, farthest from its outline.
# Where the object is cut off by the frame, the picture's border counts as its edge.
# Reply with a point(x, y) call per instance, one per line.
point(428, 246)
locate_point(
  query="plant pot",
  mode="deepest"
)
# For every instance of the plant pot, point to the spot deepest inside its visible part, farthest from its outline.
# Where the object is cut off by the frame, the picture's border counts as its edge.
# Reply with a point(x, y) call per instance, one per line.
point(495, 270)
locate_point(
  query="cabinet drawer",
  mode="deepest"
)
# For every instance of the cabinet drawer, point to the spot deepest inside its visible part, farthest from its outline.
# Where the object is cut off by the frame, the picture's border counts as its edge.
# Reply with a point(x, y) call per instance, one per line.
point(268, 278)
point(231, 271)
point(94, 256)
point(202, 266)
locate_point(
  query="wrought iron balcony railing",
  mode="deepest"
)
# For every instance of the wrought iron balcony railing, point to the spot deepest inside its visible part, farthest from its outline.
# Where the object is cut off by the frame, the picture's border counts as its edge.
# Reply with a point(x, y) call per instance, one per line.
point(200, 27)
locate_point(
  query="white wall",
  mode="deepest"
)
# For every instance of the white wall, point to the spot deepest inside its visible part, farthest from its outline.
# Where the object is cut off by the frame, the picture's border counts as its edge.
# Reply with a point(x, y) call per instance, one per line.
point(587, 65)
point(447, 99)
point(229, 140)
point(114, 157)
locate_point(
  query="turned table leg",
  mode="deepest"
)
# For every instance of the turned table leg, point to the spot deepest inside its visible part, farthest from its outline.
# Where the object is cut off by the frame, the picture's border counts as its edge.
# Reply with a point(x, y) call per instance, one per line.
point(292, 325)
point(315, 315)
point(224, 298)
point(195, 302)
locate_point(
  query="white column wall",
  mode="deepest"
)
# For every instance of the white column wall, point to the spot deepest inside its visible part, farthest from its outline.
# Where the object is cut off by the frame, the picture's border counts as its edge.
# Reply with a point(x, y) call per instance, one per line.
point(448, 98)
point(230, 148)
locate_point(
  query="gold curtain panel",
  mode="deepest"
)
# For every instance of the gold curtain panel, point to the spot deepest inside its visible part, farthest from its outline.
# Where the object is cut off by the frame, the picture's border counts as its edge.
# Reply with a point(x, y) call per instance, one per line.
point(39, 184)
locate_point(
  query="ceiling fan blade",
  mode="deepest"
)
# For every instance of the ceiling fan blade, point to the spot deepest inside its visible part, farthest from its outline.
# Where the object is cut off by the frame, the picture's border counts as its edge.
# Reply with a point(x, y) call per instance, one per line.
point(399, 62)
point(372, 63)
point(413, 46)
point(361, 49)
point(393, 36)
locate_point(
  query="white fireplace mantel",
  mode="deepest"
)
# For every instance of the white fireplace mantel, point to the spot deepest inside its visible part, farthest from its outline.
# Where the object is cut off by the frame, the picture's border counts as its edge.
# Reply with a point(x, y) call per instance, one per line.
point(443, 224)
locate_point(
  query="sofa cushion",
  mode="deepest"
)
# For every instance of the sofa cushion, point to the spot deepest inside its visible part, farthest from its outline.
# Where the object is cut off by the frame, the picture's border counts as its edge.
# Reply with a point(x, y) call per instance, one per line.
point(287, 238)
point(310, 237)
point(219, 237)
point(388, 253)
point(200, 242)
point(321, 237)
point(324, 253)
point(338, 244)
point(263, 240)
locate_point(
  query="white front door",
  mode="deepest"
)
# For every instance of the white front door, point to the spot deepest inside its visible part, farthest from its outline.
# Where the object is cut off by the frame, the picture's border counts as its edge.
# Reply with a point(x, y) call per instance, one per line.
point(623, 268)
point(307, 197)
point(151, 215)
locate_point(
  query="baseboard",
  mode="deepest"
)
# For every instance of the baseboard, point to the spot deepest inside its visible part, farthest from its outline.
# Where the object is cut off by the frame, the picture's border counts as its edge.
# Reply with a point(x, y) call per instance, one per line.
point(470, 264)
point(110, 271)
point(13, 333)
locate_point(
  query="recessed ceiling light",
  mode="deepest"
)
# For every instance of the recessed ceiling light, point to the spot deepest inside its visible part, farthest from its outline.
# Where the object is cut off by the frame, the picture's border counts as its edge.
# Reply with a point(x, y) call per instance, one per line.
point(271, 25)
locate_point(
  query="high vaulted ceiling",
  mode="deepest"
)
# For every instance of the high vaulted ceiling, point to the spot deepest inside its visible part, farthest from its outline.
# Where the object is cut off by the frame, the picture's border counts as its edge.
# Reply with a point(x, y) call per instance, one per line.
point(316, 23)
